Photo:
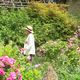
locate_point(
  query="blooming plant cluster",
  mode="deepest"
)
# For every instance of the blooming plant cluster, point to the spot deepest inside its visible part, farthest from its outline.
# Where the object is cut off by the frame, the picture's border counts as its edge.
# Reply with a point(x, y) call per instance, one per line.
point(8, 63)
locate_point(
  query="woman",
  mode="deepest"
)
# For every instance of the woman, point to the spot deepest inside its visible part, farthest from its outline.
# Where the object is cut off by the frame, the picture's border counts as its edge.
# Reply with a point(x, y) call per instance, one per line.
point(29, 44)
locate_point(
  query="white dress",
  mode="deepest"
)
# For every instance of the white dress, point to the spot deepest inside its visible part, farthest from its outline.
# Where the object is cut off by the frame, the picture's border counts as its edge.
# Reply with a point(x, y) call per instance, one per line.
point(29, 45)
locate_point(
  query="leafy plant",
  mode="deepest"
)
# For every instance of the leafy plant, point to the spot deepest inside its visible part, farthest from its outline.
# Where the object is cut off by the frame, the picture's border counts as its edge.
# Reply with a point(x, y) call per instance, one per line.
point(49, 21)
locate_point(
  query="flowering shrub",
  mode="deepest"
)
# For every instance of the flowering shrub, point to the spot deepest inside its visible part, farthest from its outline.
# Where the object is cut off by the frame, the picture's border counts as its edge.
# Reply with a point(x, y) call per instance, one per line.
point(2, 73)
point(32, 72)
point(64, 56)
point(8, 63)
point(13, 76)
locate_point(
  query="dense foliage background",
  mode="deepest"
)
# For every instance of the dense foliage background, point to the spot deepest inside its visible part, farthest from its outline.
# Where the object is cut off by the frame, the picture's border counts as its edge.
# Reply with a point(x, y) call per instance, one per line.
point(50, 21)
point(56, 42)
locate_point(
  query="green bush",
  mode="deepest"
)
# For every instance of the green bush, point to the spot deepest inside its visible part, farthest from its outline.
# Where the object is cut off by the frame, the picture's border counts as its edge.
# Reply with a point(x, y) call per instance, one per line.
point(28, 70)
point(9, 50)
point(11, 25)
point(50, 21)
point(65, 60)
point(59, 50)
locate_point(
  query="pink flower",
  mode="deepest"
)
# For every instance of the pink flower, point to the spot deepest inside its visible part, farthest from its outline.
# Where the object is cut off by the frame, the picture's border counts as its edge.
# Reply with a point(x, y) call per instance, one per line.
point(2, 64)
point(12, 61)
point(20, 77)
point(2, 72)
point(19, 74)
point(17, 71)
point(7, 60)
point(13, 75)
point(1, 58)
point(9, 78)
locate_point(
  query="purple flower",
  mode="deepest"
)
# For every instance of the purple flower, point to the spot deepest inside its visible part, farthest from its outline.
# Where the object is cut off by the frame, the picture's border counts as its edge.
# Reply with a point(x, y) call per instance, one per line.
point(2, 72)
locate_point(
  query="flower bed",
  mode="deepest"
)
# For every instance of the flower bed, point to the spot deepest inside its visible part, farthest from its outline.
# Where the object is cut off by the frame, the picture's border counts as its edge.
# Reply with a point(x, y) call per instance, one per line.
point(6, 64)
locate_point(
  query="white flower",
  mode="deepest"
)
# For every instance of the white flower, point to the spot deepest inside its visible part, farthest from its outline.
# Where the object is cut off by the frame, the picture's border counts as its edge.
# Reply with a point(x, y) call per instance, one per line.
point(37, 65)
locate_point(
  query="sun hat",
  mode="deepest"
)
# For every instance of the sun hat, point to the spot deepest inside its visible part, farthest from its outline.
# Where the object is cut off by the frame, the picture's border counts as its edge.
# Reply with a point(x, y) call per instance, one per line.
point(29, 28)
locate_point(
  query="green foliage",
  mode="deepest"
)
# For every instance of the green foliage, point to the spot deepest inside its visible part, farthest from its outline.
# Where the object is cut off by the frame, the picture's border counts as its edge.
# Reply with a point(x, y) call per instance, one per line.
point(59, 51)
point(28, 71)
point(11, 25)
point(32, 75)
point(9, 50)
point(50, 21)
point(65, 60)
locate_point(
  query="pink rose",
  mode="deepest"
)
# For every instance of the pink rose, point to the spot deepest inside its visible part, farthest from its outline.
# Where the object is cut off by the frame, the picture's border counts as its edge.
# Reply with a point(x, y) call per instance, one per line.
point(2, 72)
